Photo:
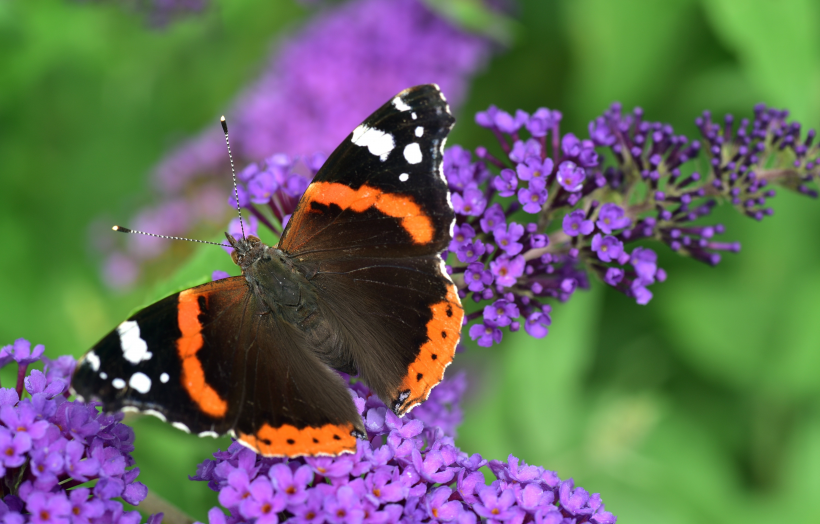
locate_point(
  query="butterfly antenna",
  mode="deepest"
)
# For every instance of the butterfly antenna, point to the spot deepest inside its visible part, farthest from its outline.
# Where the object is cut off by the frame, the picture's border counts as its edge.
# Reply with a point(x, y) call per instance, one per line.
point(135, 232)
point(233, 173)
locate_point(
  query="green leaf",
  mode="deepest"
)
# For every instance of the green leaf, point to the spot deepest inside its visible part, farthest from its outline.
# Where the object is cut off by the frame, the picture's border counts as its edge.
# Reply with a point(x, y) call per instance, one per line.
point(778, 46)
point(475, 16)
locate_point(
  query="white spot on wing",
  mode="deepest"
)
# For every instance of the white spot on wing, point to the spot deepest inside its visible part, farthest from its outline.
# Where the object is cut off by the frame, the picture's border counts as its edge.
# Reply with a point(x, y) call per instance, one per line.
point(452, 228)
point(419, 131)
point(180, 425)
point(377, 142)
point(164, 378)
point(400, 104)
point(155, 413)
point(441, 163)
point(118, 383)
point(130, 409)
point(414, 116)
point(404, 177)
point(140, 382)
point(134, 348)
point(93, 360)
point(103, 375)
point(412, 153)
point(212, 434)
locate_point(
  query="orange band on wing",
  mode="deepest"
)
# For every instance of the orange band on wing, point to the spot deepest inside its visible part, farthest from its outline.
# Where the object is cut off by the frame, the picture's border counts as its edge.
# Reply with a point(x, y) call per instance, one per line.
point(289, 441)
point(443, 332)
point(193, 376)
point(413, 219)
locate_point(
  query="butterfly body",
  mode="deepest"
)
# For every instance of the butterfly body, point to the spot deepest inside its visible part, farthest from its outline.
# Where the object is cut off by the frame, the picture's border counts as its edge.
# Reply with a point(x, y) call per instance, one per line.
point(356, 285)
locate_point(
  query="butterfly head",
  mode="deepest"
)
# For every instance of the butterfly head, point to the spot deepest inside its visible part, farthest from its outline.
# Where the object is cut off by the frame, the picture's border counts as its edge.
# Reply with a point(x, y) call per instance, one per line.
point(246, 250)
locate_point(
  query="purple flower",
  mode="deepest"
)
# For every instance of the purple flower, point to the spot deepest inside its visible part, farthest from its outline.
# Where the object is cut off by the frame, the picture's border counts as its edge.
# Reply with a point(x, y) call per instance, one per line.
point(494, 505)
point(613, 276)
point(439, 508)
point(21, 351)
point(262, 187)
point(521, 151)
point(310, 512)
point(505, 183)
point(507, 238)
point(471, 203)
point(13, 447)
point(23, 419)
point(575, 223)
point(571, 176)
point(542, 121)
point(533, 168)
point(477, 277)
point(84, 508)
point(485, 335)
point(263, 504)
point(48, 508)
point(501, 313)
point(645, 262)
point(611, 217)
point(537, 323)
point(534, 197)
point(292, 484)
point(507, 270)
point(493, 217)
point(384, 485)
point(608, 248)
point(219, 275)
point(461, 235)
point(344, 507)
point(471, 251)
point(75, 465)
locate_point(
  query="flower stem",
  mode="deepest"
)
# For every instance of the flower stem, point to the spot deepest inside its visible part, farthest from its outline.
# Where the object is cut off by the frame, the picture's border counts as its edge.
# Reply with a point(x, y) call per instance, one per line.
point(21, 377)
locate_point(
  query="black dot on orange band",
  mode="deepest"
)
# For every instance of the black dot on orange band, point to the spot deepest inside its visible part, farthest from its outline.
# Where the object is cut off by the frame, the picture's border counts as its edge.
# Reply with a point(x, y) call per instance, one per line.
point(419, 376)
point(434, 356)
point(449, 311)
point(291, 441)
point(315, 441)
point(266, 442)
point(443, 334)
point(337, 437)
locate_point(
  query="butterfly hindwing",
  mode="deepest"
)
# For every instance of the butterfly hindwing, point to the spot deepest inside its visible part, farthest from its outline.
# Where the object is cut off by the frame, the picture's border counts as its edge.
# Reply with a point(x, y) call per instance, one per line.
point(212, 361)
point(406, 324)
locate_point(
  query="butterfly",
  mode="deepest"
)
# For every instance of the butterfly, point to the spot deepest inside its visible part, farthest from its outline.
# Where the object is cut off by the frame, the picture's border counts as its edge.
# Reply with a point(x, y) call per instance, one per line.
point(356, 284)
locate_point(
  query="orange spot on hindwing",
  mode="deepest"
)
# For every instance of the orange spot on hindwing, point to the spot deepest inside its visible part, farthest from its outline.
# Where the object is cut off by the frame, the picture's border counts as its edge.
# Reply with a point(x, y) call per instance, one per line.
point(193, 376)
point(403, 207)
point(293, 442)
point(443, 332)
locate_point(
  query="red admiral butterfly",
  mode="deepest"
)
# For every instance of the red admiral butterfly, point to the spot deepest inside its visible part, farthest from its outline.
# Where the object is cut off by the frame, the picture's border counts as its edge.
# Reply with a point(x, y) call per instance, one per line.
point(356, 284)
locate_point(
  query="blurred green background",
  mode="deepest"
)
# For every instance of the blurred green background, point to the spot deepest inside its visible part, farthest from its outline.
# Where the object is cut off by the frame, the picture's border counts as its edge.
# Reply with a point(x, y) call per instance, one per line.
point(702, 407)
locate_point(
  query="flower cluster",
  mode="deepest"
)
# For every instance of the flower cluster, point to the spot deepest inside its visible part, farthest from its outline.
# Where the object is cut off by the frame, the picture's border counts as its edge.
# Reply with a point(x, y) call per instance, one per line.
point(342, 65)
point(408, 471)
point(51, 448)
point(535, 221)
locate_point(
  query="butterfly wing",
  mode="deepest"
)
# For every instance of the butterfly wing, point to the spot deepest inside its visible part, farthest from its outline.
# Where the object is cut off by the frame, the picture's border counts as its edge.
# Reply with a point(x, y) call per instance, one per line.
point(216, 361)
point(369, 231)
